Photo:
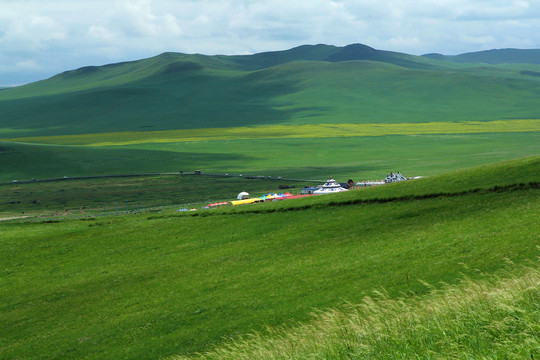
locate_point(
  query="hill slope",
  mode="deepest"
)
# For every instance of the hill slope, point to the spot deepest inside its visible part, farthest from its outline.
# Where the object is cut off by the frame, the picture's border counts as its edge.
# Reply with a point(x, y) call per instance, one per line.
point(492, 318)
point(495, 56)
point(308, 84)
point(341, 87)
point(152, 286)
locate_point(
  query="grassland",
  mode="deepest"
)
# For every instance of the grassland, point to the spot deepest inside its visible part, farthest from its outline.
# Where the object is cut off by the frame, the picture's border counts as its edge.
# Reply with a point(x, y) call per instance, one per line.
point(147, 286)
point(371, 110)
point(153, 285)
point(494, 318)
point(172, 92)
point(85, 197)
point(311, 131)
point(366, 157)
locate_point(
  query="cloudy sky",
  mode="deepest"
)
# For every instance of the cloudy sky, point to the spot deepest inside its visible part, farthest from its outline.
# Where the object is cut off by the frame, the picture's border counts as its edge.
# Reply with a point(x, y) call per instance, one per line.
point(40, 38)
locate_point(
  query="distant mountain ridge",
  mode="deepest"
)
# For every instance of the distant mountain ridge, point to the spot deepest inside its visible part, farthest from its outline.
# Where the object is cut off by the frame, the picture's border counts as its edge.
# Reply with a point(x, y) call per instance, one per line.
point(308, 84)
point(180, 62)
point(494, 56)
point(167, 63)
point(263, 60)
point(327, 53)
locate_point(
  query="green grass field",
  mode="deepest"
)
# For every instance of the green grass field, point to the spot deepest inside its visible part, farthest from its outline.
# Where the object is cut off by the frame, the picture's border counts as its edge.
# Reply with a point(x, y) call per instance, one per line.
point(160, 284)
point(367, 157)
point(147, 286)
point(492, 318)
point(85, 197)
point(178, 91)
point(272, 112)
point(311, 131)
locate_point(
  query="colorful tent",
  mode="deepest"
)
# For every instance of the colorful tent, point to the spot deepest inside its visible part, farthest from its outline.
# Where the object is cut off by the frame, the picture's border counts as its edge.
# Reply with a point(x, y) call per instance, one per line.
point(218, 204)
point(246, 201)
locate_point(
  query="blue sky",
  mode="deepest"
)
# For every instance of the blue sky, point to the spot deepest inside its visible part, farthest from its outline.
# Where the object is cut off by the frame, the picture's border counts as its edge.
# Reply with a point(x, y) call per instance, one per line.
point(41, 38)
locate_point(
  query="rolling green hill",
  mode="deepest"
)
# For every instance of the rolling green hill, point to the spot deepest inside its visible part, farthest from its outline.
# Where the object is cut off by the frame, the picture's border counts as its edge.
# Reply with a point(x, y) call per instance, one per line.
point(495, 56)
point(151, 286)
point(308, 85)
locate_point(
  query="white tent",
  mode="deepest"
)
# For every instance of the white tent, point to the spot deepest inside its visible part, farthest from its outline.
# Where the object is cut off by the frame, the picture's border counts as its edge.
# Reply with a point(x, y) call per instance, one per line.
point(394, 177)
point(243, 195)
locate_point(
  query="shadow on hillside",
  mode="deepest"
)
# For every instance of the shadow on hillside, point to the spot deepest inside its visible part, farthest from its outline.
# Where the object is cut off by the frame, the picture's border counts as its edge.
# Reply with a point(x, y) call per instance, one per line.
point(181, 96)
point(325, 172)
point(24, 162)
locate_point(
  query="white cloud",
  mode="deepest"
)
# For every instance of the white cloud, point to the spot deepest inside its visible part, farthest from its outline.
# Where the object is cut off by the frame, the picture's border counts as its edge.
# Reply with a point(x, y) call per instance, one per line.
point(137, 18)
point(99, 33)
point(61, 34)
point(28, 65)
point(22, 66)
point(404, 42)
point(32, 32)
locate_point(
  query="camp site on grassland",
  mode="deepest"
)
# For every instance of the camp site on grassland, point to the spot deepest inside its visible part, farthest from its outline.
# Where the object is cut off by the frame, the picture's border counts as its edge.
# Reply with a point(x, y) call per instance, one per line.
point(331, 186)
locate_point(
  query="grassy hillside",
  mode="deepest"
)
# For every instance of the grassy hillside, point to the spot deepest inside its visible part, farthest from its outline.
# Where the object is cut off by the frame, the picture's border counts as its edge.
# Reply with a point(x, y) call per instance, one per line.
point(355, 84)
point(492, 318)
point(151, 286)
point(59, 161)
point(495, 56)
point(362, 157)
point(393, 109)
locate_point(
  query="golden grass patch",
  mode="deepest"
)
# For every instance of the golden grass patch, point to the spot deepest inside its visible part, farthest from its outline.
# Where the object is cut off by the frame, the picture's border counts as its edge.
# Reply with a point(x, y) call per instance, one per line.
point(286, 131)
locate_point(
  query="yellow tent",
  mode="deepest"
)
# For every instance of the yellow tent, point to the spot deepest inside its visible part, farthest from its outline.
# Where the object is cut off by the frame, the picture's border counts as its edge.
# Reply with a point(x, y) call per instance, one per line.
point(246, 201)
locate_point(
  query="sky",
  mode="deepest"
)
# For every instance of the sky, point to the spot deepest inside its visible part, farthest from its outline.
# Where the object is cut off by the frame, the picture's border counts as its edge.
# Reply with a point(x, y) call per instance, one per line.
point(41, 38)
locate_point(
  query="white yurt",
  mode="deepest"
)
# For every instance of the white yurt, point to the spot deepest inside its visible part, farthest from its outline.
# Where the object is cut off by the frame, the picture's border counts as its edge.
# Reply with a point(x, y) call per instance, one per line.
point(243, 196)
